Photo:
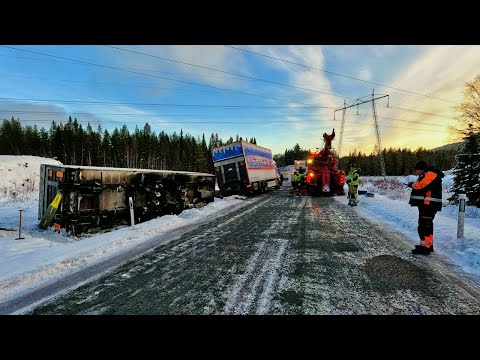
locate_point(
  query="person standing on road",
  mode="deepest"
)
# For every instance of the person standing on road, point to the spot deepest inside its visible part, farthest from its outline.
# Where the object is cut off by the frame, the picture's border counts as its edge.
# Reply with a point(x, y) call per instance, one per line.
point(295, 179)
point(301, 176)
point(427, 196)
point(353, 179)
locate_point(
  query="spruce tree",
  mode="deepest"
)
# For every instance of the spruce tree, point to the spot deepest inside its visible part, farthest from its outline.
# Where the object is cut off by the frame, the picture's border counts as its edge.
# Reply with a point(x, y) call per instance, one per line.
point(467, 171)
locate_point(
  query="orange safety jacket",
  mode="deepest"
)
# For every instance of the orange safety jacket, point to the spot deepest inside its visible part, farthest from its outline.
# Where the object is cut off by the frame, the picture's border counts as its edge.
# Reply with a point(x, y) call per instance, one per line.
point(427, 190)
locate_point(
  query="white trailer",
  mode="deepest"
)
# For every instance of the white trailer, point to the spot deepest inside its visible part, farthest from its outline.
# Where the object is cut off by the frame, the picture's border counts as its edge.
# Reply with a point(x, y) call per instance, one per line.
point(243, 167)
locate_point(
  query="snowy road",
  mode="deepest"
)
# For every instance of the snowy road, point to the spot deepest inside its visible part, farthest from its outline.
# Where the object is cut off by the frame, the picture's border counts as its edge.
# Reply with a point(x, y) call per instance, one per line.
point(280, 255)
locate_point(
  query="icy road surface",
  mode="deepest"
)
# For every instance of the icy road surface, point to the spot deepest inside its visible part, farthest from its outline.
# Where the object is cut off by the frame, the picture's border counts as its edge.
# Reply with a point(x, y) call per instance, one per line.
point(281, 254)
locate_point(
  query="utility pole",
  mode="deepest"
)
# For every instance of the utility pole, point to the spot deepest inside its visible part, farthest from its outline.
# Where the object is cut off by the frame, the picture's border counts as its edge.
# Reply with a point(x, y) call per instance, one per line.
point(375, 119)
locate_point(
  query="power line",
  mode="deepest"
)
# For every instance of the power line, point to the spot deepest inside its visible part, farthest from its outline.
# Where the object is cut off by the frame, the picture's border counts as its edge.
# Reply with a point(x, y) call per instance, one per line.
point(163, 104)
point(194, 115)
point(128, 68)
point(156, 76)
point(225, 72)
point(413, 110)
point(186, 106)
point(121, 69)
point(342, 75)
point(410, 121)
point(99, 83)
point(149, 115)
point(422, 112)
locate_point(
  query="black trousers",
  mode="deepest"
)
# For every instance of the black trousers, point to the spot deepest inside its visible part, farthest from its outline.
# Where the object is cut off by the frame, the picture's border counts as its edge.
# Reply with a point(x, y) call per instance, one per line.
point(426, 214)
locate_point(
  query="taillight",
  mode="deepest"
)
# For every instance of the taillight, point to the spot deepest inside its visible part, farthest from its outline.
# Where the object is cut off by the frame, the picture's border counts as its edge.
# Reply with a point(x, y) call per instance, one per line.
point(311, 174)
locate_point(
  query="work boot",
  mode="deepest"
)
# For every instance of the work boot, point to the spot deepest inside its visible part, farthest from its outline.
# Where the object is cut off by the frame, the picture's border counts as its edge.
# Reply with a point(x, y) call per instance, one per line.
point(421, 250)
point(430, 248)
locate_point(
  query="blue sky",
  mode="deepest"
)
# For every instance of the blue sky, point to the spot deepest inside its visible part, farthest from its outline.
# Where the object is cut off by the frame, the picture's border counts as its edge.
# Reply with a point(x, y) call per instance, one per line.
point(279, 102)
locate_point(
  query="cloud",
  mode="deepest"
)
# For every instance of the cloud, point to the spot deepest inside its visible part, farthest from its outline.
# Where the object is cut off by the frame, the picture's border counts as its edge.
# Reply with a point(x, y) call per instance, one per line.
point(203, 56)
point(440, 72)
point(32, 114)
point(411, 120)
point(316, 80)
point(364, 73)
point(107, 116)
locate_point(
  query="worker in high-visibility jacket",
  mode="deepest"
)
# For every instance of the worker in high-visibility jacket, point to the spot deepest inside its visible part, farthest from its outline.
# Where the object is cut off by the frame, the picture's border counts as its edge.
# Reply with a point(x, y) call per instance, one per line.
point(427, 196)
point(301, 176)
point(353, 179)
point(295, 179)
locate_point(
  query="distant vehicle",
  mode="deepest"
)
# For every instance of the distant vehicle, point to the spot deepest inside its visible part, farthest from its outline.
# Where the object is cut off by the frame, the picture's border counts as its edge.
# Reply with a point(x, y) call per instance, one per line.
point(300, 164)
point(287, 172)
point(245, 167)
point(297, 164)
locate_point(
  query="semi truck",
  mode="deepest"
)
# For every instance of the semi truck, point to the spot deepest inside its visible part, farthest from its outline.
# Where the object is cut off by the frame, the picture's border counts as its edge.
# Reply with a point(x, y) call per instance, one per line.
point(245, 168)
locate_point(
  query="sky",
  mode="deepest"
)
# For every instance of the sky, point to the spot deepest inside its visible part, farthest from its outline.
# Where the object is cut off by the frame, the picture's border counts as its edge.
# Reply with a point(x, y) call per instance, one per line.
point(45, 256)
point(280, 94)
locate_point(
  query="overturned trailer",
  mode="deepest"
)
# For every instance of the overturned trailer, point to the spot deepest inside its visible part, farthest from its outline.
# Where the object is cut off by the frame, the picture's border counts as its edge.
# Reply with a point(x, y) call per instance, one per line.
point(94, 198)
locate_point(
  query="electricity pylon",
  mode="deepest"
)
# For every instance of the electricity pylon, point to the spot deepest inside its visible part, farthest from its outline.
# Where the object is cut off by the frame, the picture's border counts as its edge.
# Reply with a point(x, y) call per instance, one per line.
point(375, 120)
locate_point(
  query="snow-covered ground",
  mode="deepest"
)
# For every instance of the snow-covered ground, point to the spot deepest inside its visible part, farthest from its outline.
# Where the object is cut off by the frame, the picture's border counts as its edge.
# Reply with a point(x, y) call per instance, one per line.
point(45, 255)
point(390, 207)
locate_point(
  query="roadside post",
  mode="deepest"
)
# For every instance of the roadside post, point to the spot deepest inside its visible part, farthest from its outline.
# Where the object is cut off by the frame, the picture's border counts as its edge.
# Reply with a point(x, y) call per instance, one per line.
point(20, 227)
point(461, 214)
point(132, 218)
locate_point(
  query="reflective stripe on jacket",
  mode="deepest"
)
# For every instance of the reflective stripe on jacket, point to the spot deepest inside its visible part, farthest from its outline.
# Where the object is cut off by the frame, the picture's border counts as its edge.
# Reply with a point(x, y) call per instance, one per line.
point(427, 190)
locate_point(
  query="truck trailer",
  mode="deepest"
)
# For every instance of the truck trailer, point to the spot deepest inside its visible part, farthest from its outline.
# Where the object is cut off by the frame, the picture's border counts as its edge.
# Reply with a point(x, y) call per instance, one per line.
point(244, 167)
point(87, 199)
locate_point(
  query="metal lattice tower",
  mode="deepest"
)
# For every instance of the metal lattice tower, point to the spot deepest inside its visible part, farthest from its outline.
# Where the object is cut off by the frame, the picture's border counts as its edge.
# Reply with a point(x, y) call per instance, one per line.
point(377, 132)
point(341, 128)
